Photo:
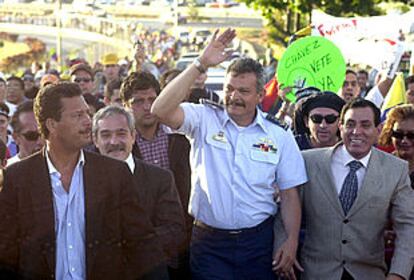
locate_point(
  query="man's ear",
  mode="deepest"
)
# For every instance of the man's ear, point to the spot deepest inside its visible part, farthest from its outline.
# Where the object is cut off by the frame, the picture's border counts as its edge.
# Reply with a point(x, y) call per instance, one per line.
point(50, 125)
point(16, 138)
point(106, 101)
point(134, 134)
point(95, 141)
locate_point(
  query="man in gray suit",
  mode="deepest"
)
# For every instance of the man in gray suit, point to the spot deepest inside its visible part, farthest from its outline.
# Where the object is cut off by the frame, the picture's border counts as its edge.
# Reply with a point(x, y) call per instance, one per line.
point(352, 192)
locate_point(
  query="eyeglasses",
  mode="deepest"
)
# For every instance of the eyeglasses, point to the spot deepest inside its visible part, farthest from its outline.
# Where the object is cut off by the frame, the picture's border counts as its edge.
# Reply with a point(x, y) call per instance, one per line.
point(330, 119)
point(31, 135)
point(79, 80)
point(400, 135)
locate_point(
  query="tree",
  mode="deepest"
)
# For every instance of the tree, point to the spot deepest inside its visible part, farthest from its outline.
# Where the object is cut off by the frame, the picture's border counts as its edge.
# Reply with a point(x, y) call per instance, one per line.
point(288, 16)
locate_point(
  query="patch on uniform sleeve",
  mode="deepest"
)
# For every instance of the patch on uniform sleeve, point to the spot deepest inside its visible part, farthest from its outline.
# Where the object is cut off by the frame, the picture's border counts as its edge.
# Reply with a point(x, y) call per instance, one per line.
point(273, 119)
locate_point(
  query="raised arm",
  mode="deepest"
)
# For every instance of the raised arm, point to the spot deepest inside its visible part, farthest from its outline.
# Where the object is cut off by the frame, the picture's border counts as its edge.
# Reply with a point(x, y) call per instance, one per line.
point(167, 106)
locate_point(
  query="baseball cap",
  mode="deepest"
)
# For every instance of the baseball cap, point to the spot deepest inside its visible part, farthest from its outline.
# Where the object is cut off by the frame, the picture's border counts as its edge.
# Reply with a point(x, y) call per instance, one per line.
point(81, 67)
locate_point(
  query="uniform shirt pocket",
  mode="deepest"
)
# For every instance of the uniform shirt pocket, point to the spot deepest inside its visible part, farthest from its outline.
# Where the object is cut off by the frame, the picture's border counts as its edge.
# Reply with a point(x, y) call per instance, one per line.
point(262, 171)
point(264, 157)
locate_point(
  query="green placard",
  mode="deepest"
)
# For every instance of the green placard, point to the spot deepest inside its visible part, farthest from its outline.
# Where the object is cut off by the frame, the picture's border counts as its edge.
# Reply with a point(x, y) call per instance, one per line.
point(311, 61)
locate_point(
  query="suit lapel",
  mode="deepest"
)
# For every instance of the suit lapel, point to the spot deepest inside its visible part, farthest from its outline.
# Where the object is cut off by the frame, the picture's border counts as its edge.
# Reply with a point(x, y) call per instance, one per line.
point(135, 150)
point(325, 179)
point(371, 183)
point(92, 184)
point(42, 201)
point(171, 143)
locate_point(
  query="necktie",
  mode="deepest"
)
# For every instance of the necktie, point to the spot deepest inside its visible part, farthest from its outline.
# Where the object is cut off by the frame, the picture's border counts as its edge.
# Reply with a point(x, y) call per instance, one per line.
point(350, 187)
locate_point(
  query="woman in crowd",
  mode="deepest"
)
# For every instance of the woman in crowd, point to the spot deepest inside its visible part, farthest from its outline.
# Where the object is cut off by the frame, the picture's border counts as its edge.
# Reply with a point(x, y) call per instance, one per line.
point(398, 131)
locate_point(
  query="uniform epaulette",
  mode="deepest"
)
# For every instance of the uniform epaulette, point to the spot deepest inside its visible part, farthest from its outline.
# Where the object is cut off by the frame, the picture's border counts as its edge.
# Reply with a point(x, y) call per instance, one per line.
point(274, 120)
point(212, 104)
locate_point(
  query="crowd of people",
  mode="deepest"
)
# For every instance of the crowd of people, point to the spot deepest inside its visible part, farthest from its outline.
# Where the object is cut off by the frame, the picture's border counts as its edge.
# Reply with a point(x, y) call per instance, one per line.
point(122, 172)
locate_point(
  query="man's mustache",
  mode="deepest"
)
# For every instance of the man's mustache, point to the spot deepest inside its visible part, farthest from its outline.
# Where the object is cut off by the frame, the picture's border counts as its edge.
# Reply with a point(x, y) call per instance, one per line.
point(115, 148)
point(235, 103)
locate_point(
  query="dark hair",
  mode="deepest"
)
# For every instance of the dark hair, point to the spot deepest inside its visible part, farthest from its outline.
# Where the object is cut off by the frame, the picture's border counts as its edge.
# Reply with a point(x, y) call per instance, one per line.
point(363, 71)
point(248, 65)
point(3, 152)
point(48, 103)
point(2, 81)
point(138, 81)
point(409, 80)
point(168, 76)
point(24, 107)
point(361, 103)
point(93, 101)
point(4, 108)
point(15, 78)
point(350, 71)
point(111, 86)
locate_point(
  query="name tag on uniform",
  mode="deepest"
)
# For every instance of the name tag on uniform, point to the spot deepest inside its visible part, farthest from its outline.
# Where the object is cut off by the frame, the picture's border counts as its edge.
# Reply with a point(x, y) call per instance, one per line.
point(219, 137)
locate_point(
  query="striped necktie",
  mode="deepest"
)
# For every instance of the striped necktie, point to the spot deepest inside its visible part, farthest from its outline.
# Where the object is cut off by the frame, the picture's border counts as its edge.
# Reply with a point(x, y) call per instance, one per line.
point(349, 189)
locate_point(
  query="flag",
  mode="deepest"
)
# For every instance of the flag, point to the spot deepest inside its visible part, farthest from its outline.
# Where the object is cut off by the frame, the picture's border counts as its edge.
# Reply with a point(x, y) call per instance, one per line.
point(396, 95)
point(271, 95)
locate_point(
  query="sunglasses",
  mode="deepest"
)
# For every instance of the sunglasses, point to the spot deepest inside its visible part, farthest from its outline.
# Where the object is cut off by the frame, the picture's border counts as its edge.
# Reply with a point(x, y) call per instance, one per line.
point(330, 119)
point(79, 80)
point(31, 135)
point(400, 135)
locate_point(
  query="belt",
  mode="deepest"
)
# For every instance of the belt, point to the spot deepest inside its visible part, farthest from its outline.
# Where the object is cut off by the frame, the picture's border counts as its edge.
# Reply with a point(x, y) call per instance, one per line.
point(257, 228)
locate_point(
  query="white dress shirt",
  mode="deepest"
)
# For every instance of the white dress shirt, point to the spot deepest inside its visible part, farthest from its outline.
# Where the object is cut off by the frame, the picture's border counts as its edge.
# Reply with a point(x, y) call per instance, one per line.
point(340, 170)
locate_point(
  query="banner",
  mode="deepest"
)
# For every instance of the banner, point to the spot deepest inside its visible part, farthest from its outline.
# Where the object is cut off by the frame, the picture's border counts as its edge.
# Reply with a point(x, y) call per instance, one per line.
point(365, 40)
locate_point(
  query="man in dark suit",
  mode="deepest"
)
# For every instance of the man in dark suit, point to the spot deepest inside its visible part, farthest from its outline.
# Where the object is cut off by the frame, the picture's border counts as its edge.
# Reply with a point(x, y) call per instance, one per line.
point(155, 144)
point(114, 135)
point(71, 214)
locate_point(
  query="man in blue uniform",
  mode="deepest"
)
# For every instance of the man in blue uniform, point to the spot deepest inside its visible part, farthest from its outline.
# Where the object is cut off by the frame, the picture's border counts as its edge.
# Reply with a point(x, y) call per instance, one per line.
point(237, 157)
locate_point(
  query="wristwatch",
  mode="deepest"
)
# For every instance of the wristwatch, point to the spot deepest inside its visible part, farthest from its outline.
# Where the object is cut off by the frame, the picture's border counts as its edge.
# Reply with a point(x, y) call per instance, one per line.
point(199, 66)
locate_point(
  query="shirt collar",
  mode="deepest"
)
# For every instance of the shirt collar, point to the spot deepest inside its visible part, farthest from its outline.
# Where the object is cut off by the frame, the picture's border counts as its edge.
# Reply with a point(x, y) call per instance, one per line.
point(52, 168)
point(131, 163)
point(258, 120)
point(347, 158)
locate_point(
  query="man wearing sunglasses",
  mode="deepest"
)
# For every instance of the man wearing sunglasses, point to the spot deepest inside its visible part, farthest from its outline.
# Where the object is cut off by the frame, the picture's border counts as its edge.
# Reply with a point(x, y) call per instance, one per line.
point(82, 75)
point(321, 117)
point(25, 132)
